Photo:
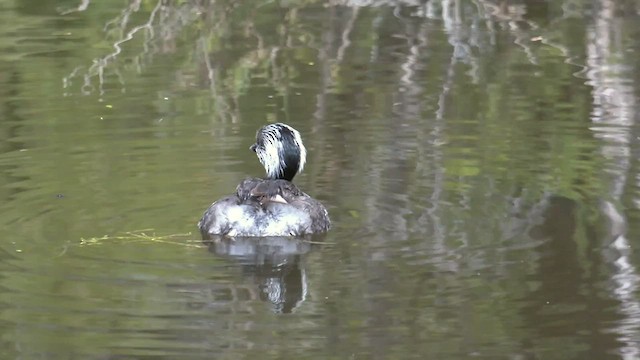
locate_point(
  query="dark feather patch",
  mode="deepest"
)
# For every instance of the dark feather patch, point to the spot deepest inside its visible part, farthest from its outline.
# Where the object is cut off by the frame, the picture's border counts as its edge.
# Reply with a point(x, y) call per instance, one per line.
point(291, 154)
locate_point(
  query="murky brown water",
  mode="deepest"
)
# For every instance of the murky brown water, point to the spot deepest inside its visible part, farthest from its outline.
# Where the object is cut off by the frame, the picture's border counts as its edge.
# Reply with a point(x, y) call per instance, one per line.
point(479, 160)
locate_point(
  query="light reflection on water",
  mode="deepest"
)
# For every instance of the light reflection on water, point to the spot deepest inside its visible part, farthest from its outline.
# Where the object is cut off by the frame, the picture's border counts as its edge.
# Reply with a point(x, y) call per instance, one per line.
point(477, 159)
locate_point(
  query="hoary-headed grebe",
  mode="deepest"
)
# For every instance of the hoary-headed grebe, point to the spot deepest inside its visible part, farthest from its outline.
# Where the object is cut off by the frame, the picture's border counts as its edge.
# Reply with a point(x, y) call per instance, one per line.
point(273, 206)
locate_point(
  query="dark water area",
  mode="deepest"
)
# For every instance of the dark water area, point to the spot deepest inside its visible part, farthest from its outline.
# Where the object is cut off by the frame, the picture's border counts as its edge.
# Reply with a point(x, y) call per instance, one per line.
point(479, 160)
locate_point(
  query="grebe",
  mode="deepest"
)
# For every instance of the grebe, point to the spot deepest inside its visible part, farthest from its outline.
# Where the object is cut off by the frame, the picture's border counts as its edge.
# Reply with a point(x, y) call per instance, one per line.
point(272, 206)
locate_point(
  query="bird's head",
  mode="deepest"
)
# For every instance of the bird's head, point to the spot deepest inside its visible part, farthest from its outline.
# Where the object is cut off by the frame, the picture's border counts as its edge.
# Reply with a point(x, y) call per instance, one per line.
point(280, 150)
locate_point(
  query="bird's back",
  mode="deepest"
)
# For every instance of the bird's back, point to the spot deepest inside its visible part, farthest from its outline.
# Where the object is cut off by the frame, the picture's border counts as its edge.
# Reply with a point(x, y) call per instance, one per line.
point(265, 207)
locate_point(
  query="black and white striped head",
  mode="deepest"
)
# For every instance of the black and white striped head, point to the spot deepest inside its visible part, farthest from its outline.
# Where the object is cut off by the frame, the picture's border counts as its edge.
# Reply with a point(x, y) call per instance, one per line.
point(280, 150)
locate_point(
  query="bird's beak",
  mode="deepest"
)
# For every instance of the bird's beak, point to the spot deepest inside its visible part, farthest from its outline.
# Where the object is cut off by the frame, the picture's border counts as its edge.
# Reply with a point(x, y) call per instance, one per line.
point(253, 147)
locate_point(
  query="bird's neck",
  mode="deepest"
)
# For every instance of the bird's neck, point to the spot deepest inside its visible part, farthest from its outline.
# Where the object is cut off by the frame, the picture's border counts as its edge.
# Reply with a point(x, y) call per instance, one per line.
point(289, 173)
point(286, 175)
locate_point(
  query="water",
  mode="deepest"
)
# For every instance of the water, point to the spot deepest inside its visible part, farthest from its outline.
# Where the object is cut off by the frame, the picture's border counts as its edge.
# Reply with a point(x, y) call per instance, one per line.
point(478, 159)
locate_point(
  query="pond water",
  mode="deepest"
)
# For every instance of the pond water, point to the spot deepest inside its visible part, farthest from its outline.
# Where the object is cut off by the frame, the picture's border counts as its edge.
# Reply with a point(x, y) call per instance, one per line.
point(479, 160)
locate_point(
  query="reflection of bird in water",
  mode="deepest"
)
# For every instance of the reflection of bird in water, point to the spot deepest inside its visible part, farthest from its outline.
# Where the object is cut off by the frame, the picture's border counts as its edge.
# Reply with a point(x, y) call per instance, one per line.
point(273, 206)
point(283, 286)
point(274, 263)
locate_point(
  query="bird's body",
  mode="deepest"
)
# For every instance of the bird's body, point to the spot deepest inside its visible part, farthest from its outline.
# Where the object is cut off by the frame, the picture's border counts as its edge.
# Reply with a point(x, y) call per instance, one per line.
point(273, 206)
